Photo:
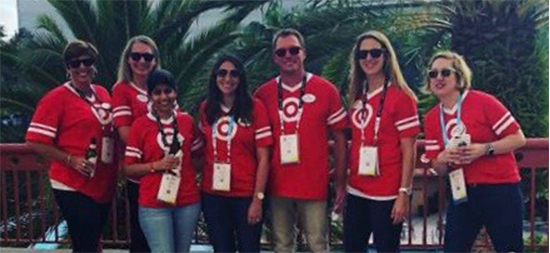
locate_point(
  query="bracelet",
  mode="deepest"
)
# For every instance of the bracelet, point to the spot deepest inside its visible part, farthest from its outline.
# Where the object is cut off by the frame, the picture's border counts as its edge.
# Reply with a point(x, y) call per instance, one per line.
point(68, 159)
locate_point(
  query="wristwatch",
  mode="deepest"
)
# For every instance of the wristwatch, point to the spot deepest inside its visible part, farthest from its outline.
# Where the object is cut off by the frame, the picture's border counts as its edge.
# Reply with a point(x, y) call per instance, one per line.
point(406, 190)
point(490, 149)
point(260, 195)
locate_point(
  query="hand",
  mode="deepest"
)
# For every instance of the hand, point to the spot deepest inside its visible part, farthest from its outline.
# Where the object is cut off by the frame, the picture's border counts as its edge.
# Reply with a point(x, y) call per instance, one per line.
point(255, 212)
point(82, 165)
point(340, 198)
point(166, 163)
point(449, 155)
point(471, 152)
point(400, 208)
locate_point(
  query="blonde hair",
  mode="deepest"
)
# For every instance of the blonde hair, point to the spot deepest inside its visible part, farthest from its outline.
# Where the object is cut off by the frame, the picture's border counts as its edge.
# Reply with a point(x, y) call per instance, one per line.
point(391, 68)
point(462, 71)
point(124, 70)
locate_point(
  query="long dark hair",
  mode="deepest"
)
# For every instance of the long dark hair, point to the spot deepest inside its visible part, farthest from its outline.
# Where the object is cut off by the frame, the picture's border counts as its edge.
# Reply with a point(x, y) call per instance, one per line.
point(242, 106)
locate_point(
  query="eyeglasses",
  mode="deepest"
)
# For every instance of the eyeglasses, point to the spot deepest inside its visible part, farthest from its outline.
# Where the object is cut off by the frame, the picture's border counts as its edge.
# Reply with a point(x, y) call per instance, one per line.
point(281, 52)
point(76, 63)
point(374, 53)
point(148, 57)
point(166, 91)
point(446, 72)
point(223, 73)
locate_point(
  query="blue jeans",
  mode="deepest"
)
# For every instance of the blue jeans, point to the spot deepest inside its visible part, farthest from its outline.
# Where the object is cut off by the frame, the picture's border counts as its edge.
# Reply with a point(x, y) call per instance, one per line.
point(365, 216)
point(498, 207)
point(169, 229)
point(227, 223)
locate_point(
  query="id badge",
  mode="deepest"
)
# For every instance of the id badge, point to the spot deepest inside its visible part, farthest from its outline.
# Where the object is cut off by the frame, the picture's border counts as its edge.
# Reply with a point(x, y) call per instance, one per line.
point(458, 186)
point(221, 179)
point(289, 149)
point(107, 150)
point(368, 161)
point(169, 187)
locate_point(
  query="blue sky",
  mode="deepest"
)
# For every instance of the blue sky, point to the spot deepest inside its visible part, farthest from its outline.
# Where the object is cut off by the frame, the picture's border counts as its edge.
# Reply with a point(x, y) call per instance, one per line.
point(8, 16)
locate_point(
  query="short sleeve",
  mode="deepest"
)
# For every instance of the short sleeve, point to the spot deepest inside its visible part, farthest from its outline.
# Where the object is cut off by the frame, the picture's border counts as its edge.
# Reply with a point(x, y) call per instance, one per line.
point(500, 119)
point(134, 152)
point(122, 112)
point(432, 140)
point(262, 129)
point(46, 120)
point(338, 116)
point(406, 117)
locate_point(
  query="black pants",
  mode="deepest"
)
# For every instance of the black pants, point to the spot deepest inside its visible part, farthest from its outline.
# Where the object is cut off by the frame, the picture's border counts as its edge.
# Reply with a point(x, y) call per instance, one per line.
point(365, 216)
point(85, 217)
point(137, 238)
point(227, 223)
point(498, 207)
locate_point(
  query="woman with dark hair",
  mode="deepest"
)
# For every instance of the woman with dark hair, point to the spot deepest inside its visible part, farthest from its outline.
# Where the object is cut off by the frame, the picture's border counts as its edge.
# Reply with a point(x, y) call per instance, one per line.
point(72, 128)
point(471, 136)
point(161, 147)
point(238, 136)
point(384, 125)
point(130, 101)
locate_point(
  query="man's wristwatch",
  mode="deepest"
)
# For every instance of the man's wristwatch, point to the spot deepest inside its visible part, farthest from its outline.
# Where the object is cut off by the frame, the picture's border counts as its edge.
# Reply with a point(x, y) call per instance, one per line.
point(406, 190)
point(490, 150)
point(260, 195)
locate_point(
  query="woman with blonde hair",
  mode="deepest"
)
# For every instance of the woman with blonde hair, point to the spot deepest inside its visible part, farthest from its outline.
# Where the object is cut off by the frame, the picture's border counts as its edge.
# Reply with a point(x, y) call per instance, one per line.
point(472, 136)
point(130, 101)
point(384, 124)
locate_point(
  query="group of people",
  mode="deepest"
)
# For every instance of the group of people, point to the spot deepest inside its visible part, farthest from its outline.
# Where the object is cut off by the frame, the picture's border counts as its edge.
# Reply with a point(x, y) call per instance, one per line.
point(272, 147)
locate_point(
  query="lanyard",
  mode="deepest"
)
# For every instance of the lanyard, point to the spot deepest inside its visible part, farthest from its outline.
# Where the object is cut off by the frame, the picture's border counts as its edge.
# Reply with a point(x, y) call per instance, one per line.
point(364, 99)
point(103, 106)
point(458, 122)
point(175, 145)
point(300, 105)
point(228, 141)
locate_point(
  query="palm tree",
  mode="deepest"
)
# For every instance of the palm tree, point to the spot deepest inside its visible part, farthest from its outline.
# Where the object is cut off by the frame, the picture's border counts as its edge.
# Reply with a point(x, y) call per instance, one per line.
point(108, 25)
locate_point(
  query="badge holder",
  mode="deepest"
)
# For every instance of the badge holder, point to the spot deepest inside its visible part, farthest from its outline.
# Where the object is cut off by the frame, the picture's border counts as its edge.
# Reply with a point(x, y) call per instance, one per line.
point(169, 185)
point(221, 178)
point(368, 161)
point(107, 145)
point(458, 186)
point(289, 149)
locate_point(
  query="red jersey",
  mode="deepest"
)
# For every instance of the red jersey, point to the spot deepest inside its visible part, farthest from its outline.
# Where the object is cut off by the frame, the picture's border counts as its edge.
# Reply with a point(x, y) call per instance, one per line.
point(65, 120)
point(486, 120)
point(145, 145)
point(129, 103)
point(399, 119)
point(244, 139)
point(322, 111)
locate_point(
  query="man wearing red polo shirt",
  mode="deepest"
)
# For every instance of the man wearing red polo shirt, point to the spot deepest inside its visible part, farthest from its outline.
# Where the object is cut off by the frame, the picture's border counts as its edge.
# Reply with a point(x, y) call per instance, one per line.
point(303, 109)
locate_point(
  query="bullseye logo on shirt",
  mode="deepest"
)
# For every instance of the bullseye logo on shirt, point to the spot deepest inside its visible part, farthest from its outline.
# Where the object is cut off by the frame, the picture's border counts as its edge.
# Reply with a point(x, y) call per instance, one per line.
point(102, 112)
point(358, 111)
point(291, 109)
point(222, 132)
point(169, 137)
point(451, 125)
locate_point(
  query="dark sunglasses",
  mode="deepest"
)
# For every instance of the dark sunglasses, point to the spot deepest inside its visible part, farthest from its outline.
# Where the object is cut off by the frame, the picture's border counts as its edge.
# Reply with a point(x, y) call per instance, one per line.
point(223, 73)
point(76, 63)
point(281, 52)
point(374, 53)
point(166, 91)
point(446, 72)
point(148, 57)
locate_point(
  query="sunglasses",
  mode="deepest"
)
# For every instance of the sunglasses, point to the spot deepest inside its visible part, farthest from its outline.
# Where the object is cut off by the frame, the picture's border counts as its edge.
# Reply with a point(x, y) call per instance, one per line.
point(166, 91)
point(148, 57)
point(223, 73)
point(374, 53)
point(446, 72)
point(281, 52)
point(76, 63)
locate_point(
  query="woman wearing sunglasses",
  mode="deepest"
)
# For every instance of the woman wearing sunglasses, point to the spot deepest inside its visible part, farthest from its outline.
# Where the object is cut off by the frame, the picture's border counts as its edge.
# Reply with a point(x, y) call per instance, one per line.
point(161, 147)
point(472, 136)
point(384, 128)
point(69, 120)
point(130, 101)
point(238, 136)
